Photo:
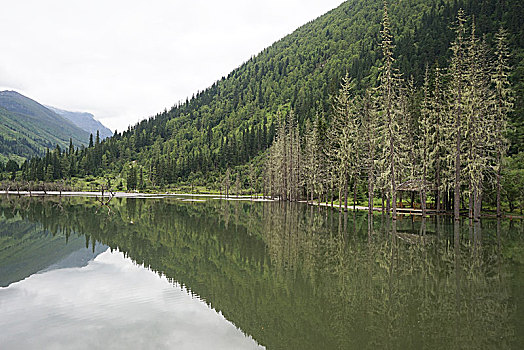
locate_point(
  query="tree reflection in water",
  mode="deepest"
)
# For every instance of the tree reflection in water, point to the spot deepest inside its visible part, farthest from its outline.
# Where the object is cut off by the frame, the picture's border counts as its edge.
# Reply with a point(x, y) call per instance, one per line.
point(298, 277)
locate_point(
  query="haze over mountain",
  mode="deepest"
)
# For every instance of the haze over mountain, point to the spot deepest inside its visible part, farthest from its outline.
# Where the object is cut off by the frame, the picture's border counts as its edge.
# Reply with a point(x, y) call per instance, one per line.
point(85, 121)
point(27, 128)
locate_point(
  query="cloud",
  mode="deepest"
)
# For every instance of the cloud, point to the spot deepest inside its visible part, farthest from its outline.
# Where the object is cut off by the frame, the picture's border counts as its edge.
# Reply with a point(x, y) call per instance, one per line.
point(110, 303)
point(126, 60)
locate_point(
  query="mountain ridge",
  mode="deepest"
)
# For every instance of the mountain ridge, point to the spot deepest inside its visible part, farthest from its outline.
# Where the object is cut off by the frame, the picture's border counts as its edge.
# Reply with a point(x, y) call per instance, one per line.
point(84, 120)
point(27, 128)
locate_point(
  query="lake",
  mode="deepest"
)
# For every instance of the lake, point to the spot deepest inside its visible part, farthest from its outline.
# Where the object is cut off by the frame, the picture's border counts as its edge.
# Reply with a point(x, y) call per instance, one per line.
point(164, 273)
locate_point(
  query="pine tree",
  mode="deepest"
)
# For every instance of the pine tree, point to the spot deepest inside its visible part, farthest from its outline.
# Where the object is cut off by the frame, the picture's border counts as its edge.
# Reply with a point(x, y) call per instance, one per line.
point(141, 184)
point(309, 161)
point(390, 82)
point(131, 178)
point(342, 137)
point(425, 138)
point(227, 181)
point(438, 120)
point(369, 126)
point(479, 132)
point(458, 82)
point(503, 104)
point(252, 179)
point(238, 186)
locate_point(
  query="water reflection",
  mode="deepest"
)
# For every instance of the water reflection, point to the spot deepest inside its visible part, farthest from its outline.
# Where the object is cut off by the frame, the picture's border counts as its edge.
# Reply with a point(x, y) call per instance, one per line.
point(110, 303)
point(298, 277)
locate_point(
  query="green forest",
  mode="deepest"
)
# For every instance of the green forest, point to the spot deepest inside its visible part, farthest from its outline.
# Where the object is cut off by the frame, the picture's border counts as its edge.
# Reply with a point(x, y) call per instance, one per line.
point(418, 100)
point(27, 128)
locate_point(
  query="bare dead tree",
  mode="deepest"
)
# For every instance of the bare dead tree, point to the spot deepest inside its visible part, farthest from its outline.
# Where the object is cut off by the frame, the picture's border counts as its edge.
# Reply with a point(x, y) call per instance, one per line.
point(30, 185)
point(105, 200)
point(7, 184)
point(18, 186)
point(61, 186)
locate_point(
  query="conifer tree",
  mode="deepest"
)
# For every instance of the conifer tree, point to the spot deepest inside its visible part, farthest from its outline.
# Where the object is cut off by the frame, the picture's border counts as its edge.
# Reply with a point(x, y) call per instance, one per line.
point(227, 182)
point(458, 82)
point(369, 143)
point(479, 133)
point(425, 138)
point(131, 178)
point(238, 185)
point(502, 106)
point(309, 161)
point(252, 179)
point(342, 137)
point(438, 120)
point(389, 98)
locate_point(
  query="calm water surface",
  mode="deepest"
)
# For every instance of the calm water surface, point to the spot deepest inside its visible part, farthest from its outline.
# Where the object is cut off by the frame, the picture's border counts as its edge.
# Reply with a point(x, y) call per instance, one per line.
point(165, 274)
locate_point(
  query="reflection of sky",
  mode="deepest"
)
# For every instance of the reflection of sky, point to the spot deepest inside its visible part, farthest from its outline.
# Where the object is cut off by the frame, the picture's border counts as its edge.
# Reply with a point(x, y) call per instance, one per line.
point(110, 303)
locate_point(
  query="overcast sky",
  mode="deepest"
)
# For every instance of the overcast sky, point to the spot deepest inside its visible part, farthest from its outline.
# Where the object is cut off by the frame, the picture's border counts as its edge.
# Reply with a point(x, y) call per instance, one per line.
point(126, 60)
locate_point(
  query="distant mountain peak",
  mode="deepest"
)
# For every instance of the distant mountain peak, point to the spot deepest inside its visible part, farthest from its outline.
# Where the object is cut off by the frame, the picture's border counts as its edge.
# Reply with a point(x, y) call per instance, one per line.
point(85, 121)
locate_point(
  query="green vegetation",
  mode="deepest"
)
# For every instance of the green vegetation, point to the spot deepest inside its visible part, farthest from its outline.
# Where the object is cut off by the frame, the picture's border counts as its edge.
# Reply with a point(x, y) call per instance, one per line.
point(231, 124)
point(27, 128)
point(446, 140)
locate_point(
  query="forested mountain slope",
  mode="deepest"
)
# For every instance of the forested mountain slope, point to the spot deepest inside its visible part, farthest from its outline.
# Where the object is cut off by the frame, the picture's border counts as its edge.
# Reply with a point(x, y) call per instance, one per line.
point(27, 128)
point(234, 120)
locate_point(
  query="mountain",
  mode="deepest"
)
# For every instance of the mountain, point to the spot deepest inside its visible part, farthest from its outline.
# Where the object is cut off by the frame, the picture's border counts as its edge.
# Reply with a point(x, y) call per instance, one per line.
point(27, 128)
point(26, 248)
point(234, 120)
point(223, 125)
point(85, 121)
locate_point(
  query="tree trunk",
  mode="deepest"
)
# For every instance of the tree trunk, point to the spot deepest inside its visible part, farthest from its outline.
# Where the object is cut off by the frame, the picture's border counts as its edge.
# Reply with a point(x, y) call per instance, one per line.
point(423, 201)
point(340, 199)
point(437, 199)
point(478, 204)
point(346, 194)
point(370, 195)
point(456, 202)
point(470, 204)
point(499, 171)
point(355, 195)
point(393, 188)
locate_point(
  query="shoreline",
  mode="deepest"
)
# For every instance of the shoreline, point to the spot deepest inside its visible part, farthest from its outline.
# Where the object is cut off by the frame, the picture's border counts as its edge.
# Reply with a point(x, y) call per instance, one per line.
point(246, 198)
